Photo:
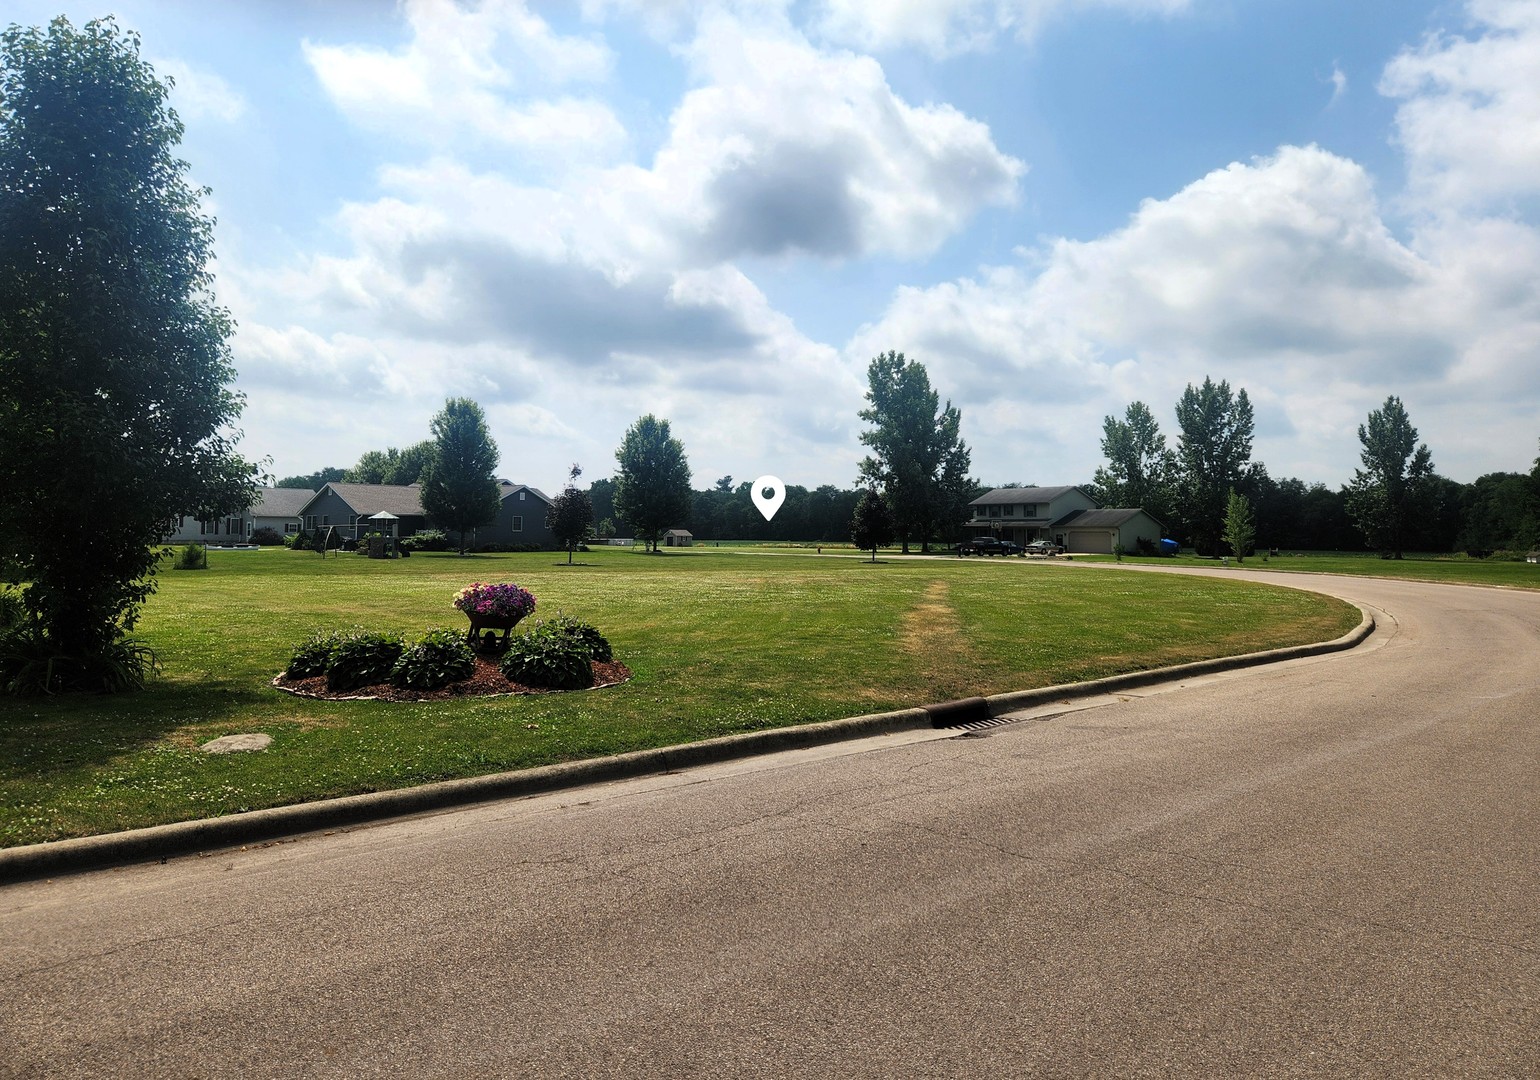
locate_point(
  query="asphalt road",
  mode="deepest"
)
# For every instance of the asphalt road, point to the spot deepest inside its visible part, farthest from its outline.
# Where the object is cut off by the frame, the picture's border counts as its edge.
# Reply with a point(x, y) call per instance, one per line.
point(1328, 867)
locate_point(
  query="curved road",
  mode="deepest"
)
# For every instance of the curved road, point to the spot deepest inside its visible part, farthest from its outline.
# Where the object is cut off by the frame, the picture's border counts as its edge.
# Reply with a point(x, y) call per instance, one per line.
point(1326, 867)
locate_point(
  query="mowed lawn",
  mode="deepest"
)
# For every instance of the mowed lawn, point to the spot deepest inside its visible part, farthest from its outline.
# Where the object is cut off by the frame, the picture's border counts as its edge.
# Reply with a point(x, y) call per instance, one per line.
point(719, 642)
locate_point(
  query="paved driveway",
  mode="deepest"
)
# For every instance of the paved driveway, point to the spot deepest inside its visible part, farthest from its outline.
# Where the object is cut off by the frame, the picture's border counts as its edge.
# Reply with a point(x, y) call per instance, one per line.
point(1329, 867)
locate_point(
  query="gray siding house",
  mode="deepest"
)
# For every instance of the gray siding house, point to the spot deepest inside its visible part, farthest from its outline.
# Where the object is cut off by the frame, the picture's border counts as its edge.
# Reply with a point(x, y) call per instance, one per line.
point(1066, 515)
point(276, 508)
point(349, 508)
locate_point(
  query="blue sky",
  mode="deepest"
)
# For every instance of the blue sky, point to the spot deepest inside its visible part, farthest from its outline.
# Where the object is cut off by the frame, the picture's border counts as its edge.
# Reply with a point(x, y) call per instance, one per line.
point(719, 212)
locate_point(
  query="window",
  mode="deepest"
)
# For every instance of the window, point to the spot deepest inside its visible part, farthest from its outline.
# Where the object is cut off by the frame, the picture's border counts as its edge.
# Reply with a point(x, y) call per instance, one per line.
point(290, 528)
point(521, 496)
point(994, 511)
point(518, 522)
point(233, 526)
point(1029, 510)
point(1010, 511)
point(310, 523)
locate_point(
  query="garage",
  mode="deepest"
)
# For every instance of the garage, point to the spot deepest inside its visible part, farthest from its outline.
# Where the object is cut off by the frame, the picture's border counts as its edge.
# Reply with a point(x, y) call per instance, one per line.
point(1089, 542)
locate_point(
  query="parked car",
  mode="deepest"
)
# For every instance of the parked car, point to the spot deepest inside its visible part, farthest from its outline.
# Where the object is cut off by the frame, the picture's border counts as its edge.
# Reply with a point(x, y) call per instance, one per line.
point(988, 545)
point(1044, 547)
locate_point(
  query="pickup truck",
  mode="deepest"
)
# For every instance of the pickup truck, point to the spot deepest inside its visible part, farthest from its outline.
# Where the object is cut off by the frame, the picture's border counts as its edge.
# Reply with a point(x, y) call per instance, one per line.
point(988, 545)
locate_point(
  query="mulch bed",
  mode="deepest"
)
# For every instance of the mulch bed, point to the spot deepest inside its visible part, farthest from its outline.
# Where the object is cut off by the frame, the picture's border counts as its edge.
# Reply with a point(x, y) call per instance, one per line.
point(485, 681)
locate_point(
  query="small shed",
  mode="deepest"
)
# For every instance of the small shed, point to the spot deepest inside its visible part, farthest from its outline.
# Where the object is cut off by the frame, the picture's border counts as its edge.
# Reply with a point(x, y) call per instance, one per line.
point(678, 538)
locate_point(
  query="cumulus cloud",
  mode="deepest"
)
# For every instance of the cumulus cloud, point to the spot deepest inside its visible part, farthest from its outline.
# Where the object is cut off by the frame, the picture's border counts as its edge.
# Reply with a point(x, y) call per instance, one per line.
point(949, 27)
point(475, 72)
point(1469, 114)
point(1279, 275)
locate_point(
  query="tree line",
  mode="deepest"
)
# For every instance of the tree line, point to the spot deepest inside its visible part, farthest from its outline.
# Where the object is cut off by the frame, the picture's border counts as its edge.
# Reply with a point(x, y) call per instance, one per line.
point(1396, 501)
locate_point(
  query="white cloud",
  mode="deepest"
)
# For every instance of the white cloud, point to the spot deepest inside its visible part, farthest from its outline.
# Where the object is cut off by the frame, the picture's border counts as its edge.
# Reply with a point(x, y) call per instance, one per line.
point(949, 27)
point(1469, 119)
point(199, 94)
point(475, 72)
point(1280, 276)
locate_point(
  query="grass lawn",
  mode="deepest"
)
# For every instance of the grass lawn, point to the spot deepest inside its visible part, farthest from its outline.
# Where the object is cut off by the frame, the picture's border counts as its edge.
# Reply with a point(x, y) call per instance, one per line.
point(1455, 569)
point(719, 641)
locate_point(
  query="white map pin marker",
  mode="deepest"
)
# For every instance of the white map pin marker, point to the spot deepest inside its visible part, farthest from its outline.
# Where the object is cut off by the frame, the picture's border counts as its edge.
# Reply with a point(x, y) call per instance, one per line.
point(768, 505)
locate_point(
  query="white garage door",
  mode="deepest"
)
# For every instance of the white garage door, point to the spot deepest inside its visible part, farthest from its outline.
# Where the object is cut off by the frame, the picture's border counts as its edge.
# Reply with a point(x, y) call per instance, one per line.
point(1090, 543)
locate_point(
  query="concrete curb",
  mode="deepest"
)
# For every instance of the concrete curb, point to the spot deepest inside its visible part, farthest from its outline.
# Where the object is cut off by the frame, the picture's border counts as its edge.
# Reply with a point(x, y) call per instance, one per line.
point(186, 837)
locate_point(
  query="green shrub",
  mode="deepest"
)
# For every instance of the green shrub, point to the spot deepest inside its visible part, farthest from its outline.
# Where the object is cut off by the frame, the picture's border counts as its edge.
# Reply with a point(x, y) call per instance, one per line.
point(315, 654)
point(553, 654)
point(266, 536)
point(30, 664)
point(585, 634)
point(362, 658)
point(192, 557)
point(439, 658)
point(300, 541)
point(429, 540)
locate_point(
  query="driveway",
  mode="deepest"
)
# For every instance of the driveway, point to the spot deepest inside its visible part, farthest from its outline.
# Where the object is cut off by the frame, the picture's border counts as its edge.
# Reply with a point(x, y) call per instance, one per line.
point(1327, 867)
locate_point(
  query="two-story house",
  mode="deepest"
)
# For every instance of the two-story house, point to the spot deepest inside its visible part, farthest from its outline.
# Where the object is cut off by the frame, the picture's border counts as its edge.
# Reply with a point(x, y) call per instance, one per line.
point(1066, 515)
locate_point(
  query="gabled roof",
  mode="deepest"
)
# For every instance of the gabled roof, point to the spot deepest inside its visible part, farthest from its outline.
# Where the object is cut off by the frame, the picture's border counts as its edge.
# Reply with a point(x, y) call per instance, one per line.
point(367, 500)
point(509, 488)
point(1002, 496)
point(281, 502)
point(1102, 519)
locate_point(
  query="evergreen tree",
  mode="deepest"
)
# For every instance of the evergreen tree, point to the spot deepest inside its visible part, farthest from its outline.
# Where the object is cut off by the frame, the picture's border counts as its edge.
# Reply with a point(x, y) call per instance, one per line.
point(459, 491)
point(1240, 526)
point(1396, 479)
point(652, 486)
point(115, 371)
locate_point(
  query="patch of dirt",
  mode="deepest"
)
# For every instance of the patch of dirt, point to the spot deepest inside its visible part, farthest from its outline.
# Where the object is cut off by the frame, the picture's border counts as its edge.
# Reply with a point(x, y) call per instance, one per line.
point(932, 624)
point(485, 681)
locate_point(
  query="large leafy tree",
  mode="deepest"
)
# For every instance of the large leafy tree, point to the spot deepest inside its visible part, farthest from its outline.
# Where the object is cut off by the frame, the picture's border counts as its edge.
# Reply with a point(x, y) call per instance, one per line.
point(918, 457)
point(1213, 452)
point(1140, 468)
point(115, 373)
point(459, 491)
point(571, 516)
point(392, 466)
point(652, 485)
point(1395, 480)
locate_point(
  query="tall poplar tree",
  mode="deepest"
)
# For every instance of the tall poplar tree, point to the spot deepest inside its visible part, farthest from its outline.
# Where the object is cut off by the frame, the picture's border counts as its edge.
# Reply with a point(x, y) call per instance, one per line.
point(1212, 454)
point(459, 491)
point(918, 456)
point(115, 372)
point(1386, 493)
point(1140, 468)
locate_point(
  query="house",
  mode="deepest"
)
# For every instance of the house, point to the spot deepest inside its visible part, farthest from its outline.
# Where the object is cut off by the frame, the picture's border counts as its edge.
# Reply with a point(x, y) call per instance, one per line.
point(678, 538)
point(348, 507)
point(521, 517)
point(276, 508)
point(1066, 515)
